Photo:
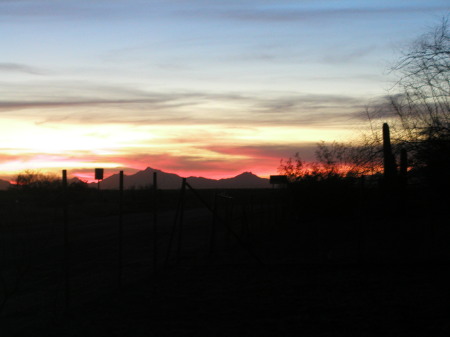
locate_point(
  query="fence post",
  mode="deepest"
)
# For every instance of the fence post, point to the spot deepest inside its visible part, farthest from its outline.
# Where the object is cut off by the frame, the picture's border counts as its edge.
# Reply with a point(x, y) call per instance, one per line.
point(155, 222)
point(178, 215)
point(120, 247)
point(66, 242)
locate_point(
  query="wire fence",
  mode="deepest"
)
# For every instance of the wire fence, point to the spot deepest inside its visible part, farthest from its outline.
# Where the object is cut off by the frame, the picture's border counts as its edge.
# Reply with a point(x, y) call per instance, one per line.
point(62, 253)
point(62, 249)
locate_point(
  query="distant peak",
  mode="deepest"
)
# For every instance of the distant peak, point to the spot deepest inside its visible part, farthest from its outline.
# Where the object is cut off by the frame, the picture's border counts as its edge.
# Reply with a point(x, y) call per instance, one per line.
point(149, 169)
point(246, 174)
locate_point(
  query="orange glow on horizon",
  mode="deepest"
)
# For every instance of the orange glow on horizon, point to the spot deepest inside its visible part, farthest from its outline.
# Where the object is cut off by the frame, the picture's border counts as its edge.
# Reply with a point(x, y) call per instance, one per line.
point(82, 169)
point(211, 151)
point(89, 176)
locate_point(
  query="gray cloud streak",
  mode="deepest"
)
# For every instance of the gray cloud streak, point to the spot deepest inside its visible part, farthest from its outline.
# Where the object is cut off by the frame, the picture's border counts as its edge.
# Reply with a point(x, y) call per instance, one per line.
point(19, 68)
point(231, 10)
point(289, 15)
point(306, 149)
point(191, 108)
point(60, 9)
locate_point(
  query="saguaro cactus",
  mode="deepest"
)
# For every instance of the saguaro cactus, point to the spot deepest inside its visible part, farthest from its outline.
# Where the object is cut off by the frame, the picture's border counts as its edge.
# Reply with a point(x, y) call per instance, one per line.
point(390, 168)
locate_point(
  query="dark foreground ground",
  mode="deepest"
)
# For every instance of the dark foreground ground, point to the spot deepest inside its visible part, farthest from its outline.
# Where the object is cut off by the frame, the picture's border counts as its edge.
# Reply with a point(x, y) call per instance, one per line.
point(234, 295)
point(276, 300)
point(359, 276)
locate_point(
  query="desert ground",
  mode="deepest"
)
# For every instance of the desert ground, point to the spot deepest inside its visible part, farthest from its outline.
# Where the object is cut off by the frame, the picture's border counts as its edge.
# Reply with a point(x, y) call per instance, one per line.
point(270, 267)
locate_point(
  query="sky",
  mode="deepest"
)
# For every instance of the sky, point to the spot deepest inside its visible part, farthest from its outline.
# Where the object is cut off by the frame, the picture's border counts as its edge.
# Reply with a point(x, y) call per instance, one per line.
point(197, 88)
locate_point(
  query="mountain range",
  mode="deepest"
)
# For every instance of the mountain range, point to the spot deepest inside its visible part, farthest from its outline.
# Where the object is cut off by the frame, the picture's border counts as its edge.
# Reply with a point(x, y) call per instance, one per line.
point(169, 181)
point(4, 185)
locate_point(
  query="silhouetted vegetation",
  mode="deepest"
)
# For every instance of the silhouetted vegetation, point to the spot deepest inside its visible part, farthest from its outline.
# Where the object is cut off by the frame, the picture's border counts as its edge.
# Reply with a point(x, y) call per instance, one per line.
point(418, 108)
point(418, 135)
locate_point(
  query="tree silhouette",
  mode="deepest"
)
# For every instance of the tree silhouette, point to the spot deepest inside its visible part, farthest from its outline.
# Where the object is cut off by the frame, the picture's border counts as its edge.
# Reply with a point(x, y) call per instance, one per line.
point(418, 109)
point(31, 179)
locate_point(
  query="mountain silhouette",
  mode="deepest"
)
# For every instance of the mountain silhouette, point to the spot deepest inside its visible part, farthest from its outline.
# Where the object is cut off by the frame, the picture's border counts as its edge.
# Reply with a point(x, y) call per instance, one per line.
point(4, 185)
point(169, 181)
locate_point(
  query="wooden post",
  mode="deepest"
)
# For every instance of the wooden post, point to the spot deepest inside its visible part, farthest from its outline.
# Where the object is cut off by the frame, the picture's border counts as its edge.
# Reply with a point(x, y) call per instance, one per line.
point(178, 214)
point(390, 169)
point(120, 243)
point(155, 222)
point(66, 242)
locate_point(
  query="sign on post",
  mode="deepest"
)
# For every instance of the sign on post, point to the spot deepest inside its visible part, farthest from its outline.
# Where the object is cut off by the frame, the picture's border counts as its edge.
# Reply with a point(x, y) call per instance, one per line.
point(98, 176)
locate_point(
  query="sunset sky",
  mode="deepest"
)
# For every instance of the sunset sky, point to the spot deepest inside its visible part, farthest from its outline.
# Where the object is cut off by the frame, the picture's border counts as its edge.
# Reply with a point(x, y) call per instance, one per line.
point(204, 88)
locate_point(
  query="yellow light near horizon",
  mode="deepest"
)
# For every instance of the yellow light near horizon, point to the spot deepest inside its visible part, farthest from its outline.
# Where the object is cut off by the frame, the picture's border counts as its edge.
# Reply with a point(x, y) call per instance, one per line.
point(13, 167)
point(21, 136)
point(286, 134)
point(55, 146)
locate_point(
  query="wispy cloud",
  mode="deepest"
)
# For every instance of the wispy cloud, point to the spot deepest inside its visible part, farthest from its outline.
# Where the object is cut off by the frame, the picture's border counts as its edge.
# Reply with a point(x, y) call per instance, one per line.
point(69, 9)
point(346, 55)
point(188, 165)
point(309, 109)
point(191, 108)
point(19, 68)
point(305, 13)
point(256, 11)
point(269, 151)
point(262, 160)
